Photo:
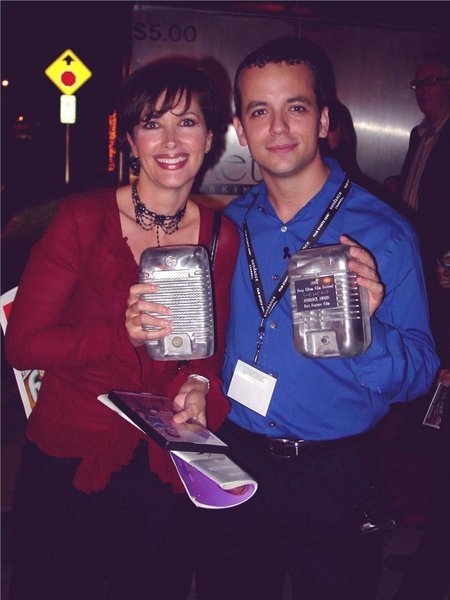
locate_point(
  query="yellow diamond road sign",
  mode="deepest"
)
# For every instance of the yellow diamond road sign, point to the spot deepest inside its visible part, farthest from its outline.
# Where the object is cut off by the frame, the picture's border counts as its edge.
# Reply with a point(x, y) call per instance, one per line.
point(68, 73)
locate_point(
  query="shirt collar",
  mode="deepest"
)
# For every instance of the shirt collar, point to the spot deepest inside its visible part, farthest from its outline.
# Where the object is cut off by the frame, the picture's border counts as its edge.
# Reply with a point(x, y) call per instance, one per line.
point(317, 203)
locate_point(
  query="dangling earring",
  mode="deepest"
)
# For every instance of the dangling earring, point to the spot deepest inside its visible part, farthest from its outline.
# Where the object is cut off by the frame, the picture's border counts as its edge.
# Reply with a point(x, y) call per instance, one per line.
point(135, 165)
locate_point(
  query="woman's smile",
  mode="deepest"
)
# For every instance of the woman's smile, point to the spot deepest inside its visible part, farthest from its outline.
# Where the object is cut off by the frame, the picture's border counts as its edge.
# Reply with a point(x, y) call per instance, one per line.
point(172, 161)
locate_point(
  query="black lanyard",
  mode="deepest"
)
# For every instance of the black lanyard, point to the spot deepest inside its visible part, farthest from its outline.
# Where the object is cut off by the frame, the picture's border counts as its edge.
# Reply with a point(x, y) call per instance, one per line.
point(266, 309)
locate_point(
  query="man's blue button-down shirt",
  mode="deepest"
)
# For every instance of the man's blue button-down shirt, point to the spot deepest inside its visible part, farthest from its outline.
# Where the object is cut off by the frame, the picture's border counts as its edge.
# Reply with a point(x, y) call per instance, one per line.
point(330, 397)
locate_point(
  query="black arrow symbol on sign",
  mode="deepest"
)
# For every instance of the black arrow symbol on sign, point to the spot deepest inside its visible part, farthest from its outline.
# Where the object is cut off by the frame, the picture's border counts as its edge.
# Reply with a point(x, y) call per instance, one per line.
point(68, 59)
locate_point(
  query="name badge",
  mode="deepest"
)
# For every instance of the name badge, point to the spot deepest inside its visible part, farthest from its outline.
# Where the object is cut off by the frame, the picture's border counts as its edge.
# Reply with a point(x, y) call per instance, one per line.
point(251, 387)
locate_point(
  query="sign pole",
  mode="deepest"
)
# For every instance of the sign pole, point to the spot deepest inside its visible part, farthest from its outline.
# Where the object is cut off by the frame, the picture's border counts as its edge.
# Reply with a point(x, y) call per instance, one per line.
point(67, 170)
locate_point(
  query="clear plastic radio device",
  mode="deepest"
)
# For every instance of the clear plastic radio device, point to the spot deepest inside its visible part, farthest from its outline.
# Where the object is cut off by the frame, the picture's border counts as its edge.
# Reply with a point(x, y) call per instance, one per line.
point(329, 308)
point(183, 277)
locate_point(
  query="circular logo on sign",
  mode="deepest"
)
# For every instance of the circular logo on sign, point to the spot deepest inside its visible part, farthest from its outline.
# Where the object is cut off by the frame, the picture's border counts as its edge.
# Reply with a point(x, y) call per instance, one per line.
point(177, 342)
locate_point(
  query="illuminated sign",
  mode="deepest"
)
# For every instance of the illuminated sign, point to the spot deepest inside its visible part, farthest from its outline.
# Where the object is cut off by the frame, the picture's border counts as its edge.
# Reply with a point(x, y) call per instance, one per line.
point(68, 72)
point(112, 139)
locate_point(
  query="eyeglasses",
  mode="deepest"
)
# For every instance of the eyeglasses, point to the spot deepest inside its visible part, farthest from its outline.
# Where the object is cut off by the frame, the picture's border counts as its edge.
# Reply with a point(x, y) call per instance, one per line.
point(428, 82)
point(444, 265)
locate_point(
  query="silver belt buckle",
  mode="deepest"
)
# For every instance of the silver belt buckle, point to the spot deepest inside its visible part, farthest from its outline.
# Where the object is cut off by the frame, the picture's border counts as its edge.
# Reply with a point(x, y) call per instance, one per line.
point(277, 444)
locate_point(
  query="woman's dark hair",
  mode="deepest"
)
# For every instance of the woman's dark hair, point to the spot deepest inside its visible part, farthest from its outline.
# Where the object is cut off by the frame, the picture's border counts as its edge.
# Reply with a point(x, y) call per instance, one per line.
point(340, 116)
point(292, 51)
point(170, 80)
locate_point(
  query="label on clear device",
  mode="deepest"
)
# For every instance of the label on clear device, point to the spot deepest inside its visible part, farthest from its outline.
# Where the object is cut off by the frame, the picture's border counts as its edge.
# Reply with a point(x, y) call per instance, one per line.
point(316, 293)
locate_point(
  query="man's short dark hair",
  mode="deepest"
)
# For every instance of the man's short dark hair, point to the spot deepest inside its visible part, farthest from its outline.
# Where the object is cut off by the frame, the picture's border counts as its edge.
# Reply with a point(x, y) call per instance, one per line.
point(169, 80)
point(292, 51)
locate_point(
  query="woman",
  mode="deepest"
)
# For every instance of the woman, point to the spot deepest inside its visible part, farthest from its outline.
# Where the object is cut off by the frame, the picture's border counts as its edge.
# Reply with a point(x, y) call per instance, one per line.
point(341, 144)
point(97, 513)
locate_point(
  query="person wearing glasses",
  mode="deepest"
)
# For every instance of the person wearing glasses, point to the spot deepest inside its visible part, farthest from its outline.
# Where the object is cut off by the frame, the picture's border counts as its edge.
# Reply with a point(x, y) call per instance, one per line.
point(423, 175)
point(423, 183)
point(423, 187)
point(423, 179)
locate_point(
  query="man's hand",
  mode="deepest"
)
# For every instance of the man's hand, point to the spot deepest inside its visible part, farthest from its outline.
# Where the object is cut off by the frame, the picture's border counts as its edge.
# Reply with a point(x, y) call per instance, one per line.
point(366, 269)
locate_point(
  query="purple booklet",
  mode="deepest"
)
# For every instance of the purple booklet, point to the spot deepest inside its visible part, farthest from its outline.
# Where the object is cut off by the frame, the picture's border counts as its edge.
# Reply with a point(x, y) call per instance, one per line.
point(212, 480)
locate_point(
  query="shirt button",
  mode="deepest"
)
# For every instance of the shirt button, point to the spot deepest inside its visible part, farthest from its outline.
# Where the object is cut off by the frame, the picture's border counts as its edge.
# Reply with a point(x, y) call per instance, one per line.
point(272, 423)
point(284, 229)
point(273, 325)
point(275, 277)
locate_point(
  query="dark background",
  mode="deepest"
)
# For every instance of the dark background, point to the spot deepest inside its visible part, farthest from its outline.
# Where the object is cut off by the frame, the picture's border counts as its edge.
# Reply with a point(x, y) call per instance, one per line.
point(34, 34)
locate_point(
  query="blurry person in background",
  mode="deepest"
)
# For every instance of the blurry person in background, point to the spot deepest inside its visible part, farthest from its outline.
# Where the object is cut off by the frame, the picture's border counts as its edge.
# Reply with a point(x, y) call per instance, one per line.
point(99, 512)
point(341, 144)
point(443, 271)
point(423, 183)
point(422, 195)
point(423, 189)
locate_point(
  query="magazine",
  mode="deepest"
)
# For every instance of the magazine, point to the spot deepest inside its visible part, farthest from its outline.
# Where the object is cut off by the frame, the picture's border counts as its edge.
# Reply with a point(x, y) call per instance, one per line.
point(434, 413)
point(211, 480)
point(154, 416)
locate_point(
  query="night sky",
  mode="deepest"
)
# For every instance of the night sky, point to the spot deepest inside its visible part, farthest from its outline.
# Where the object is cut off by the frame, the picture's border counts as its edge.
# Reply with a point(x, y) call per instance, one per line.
point(34, 34)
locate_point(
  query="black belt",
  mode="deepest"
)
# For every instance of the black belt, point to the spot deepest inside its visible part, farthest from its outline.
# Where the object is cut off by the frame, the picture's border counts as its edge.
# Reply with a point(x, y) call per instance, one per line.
point(291, 448)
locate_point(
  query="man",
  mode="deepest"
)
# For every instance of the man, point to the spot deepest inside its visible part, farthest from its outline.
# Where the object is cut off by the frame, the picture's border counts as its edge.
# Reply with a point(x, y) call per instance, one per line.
point(424, 176)
point(423, 181)
point(300, 425)
point(424, 189)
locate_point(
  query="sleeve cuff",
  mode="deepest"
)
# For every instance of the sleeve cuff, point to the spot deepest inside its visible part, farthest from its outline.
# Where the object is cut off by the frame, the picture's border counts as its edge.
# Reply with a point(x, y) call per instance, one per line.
point(377, 346)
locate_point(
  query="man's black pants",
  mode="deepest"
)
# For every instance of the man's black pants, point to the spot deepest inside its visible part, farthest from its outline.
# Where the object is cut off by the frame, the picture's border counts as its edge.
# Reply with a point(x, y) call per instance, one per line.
point(304, 521)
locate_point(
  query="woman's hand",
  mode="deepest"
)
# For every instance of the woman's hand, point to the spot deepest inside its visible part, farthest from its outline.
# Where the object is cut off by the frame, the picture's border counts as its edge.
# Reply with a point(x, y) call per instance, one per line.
point(191, 401)
point(366, 269)
point(136, 315)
